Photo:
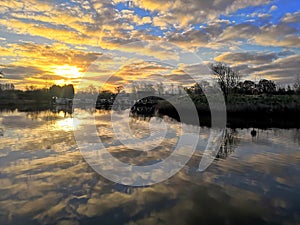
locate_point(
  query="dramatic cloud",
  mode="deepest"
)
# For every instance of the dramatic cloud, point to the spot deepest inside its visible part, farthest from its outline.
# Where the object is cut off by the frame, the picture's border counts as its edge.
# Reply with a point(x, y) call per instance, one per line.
point(268, 35)
point(246, 58)
point(264, 65)
point(47, 34)
point(184, 12)
point(191, 38)
point(273, 8)
point(244, 31)
point(21, 72)
point(278, 35)
point(291, 18)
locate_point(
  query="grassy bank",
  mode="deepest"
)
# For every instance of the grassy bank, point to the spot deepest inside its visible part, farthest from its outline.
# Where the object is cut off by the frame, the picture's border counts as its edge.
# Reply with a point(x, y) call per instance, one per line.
point(244, 110)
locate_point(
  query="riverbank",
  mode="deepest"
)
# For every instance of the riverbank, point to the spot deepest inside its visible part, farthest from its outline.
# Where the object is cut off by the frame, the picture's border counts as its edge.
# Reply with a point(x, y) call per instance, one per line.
point(24, 105)
point(261, 111)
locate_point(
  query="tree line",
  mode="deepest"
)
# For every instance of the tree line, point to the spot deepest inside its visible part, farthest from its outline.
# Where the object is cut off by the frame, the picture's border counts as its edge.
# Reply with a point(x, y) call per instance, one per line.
point(227, 79)
point(40, 95)
point(230, 83)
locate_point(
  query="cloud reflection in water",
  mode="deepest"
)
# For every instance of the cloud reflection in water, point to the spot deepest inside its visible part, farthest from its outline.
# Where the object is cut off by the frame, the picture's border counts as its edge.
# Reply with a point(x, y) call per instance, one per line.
point(44, 179)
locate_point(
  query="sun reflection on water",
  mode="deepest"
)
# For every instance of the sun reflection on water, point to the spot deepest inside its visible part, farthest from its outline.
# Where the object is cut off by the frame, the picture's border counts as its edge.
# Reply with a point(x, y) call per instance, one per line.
point(67, 124)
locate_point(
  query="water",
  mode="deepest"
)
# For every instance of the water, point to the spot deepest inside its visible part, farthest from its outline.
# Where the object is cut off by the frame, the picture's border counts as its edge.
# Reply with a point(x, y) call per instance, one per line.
point(45, 180)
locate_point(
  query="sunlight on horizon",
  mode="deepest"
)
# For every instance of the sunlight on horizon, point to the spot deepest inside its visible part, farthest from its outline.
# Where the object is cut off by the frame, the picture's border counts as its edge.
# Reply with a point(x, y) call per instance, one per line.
point(67, 71)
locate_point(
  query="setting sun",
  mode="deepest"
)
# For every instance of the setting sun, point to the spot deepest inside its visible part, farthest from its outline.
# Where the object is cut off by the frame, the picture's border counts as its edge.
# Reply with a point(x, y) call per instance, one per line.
point(67, 71)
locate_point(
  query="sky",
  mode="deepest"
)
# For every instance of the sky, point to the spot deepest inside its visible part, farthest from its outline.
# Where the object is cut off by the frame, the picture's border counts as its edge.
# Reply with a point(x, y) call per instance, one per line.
point(116, 42)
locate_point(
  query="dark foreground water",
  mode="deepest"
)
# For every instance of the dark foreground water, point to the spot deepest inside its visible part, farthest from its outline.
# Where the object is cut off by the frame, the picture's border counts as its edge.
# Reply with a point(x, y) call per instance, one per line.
point(45, 180)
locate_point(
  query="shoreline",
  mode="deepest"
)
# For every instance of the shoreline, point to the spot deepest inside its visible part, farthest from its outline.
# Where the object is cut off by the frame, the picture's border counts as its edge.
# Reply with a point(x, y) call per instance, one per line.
point(242, 111)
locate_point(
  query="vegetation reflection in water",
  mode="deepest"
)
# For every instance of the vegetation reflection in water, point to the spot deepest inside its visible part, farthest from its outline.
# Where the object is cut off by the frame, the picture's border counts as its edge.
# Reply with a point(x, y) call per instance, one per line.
point(44, 179)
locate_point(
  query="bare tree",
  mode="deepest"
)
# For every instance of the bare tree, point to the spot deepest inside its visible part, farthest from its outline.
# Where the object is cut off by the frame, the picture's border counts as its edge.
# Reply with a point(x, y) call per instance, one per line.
point(160, 88)
point(297, 84)
point(91, 89)
point(227, 78)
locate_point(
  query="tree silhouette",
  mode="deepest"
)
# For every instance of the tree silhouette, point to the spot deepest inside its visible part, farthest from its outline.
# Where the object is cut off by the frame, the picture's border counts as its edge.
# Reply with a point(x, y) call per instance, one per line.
point(248, 86)
point(266, 86)
point(297, 84)
point(227, 78)
point(66, 91)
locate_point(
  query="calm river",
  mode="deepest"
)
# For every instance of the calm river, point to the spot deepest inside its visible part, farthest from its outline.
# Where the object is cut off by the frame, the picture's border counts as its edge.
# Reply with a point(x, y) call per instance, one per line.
point(45, 180)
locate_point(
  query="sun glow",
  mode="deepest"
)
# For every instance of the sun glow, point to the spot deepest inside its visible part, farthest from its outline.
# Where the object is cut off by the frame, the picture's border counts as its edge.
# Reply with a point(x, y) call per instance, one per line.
point(67, 71)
